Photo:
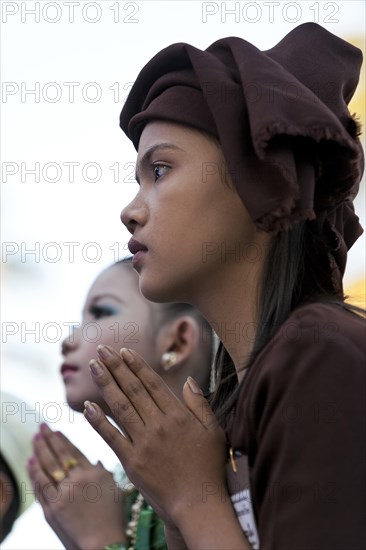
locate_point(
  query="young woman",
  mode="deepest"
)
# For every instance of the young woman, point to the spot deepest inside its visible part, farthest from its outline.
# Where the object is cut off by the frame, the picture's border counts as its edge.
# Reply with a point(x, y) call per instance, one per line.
point(248, 162)
point(80, 500)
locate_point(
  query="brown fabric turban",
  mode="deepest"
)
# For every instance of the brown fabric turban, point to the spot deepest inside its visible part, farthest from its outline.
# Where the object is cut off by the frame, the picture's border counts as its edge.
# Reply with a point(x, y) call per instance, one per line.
point(281, 117)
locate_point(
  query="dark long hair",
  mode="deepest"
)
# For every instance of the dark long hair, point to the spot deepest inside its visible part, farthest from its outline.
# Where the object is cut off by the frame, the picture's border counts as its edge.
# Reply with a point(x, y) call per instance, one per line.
point(11, 514)
point(296, 272)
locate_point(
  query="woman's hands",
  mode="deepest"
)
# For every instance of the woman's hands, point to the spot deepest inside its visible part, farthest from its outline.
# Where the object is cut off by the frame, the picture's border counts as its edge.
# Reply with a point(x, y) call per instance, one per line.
point(173, 452)
point(80, 501)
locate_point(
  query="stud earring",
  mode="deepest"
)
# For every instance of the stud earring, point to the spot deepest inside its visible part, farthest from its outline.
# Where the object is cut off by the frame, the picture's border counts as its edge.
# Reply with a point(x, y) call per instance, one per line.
point(168, 359)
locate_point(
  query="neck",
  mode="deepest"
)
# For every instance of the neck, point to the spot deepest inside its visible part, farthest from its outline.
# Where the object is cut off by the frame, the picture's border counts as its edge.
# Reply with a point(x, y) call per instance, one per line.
point(229, 303)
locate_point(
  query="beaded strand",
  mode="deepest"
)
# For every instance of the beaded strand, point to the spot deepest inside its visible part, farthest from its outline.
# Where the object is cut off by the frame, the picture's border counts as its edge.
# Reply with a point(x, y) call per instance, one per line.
point(131, 530)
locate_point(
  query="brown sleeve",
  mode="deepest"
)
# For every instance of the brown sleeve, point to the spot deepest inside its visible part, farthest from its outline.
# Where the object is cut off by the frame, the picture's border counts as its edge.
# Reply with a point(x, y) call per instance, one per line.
point(307, 424)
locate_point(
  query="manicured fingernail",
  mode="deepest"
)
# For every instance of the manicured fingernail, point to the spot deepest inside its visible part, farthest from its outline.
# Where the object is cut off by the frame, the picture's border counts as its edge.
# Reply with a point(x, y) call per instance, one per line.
point(193, 386)
point(95, 367)
point(90, 409)
point(44, 427)
point(31, 461)
point(126, 355)
point(103, 351)
point(38, 436)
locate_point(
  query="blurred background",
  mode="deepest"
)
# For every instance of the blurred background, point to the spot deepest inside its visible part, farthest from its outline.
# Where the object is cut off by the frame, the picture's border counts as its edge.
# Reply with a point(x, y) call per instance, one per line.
point(67, 170)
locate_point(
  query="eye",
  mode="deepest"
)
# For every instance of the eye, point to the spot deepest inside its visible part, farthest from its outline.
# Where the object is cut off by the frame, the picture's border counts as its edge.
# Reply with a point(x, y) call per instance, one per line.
point(102, 311)
point(159, 170)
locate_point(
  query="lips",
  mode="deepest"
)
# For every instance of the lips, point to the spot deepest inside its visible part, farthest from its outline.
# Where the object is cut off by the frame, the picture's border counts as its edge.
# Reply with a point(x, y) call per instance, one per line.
point(67, 370)
point(134, 246)
point(138, 250)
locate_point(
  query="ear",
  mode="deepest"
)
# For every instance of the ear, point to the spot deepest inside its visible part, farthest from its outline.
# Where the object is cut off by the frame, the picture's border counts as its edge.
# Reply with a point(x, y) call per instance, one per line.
point(7, 492)
point(180, 338)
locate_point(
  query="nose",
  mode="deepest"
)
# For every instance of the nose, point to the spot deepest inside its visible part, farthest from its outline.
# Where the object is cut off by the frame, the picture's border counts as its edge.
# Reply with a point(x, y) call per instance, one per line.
point(70, 343)
point(134, 214)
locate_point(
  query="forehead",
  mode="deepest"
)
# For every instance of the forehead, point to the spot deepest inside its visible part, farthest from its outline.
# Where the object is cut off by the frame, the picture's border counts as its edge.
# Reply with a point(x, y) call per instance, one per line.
point(180, 135)
point(117, 279)
point(161, 127)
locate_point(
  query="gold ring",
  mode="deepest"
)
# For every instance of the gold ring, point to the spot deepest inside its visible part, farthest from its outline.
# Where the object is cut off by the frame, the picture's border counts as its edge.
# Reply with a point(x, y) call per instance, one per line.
point(69, 464)
point(58, 475)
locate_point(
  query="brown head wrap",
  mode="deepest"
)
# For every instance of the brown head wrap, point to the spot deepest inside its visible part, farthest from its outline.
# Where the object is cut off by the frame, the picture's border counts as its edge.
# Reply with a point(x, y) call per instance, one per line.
point(281, 117)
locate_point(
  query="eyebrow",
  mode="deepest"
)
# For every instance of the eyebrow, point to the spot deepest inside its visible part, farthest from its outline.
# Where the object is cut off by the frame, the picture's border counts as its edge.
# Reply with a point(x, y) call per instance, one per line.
point(107, 295)
point(149, 152)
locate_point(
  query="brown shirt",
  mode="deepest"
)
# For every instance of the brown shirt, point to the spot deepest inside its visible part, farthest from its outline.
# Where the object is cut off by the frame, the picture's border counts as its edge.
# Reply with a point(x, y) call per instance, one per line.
point(300, 419)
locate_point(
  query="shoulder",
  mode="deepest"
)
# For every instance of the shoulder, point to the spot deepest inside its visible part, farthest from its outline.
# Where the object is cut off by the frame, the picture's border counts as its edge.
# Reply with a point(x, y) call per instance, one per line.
point(316, 360)
point(327, 313)
point(317, 339)
point(317, 331)
point(322, 323)
point(300, 418)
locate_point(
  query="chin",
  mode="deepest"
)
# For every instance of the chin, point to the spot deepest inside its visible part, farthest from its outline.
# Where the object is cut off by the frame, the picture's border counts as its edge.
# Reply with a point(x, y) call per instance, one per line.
point(75, 403)
point(76, 406)
point(152, 293)
point(158, 292)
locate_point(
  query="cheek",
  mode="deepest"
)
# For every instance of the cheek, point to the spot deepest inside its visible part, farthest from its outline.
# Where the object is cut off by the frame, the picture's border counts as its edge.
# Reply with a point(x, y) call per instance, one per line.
point(132, 331)
point(87, 349)
point(121, 331)
point(177, 221)
point(111, 331)
point(92, 334)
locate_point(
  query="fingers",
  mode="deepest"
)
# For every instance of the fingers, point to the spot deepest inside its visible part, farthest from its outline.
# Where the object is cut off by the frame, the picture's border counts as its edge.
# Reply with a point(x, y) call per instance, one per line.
point(44, 489)
point(113, 437)
point(153, 383)
point(140, 383)
point(56, 454)
point(48, 461)
point(198, 405)
point(122, 410)
point(133, 403)
point(63, 449)
point(50, 495)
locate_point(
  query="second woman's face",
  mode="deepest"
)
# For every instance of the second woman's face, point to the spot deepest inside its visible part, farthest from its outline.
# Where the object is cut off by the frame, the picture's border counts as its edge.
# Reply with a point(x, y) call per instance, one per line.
point(115, 314)
point(186, 215)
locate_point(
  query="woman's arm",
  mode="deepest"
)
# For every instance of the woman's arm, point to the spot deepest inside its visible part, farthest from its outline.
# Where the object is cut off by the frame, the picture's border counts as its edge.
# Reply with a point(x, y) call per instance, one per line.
point(171, 451)
point(211, 524)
